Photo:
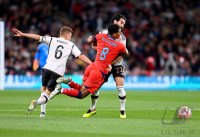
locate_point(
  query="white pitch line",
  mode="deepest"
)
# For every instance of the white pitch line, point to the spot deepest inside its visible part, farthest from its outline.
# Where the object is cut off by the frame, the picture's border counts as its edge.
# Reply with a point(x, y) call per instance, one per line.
point(20, 110)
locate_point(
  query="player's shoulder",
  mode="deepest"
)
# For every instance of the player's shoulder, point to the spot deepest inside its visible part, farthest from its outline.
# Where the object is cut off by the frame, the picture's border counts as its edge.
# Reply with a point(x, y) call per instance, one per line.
point(103, 31)
point(100, 35)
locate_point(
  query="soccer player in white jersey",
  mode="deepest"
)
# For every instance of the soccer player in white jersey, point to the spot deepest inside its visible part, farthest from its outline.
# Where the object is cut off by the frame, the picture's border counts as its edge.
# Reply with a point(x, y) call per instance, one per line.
point(117, 71)
point(59, 50)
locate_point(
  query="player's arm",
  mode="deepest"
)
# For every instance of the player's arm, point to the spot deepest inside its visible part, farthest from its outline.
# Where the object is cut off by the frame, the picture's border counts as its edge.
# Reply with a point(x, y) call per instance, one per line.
point(77, 53)
point(45, 39)
point(18, 33)
point(36, 60)
point(126, 53)
point(84, 58)
point(116, 60)
point(35, 64)
point(120, 57)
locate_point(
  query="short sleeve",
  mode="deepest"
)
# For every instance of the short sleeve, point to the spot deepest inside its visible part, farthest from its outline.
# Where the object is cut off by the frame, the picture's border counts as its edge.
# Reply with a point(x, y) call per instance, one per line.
point(45, 39)
point(75, 51)
point(103, 31)
point(37, 54)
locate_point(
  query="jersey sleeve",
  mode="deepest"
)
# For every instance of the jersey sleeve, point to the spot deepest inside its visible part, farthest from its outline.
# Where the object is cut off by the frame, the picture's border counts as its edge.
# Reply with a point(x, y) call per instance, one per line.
point(103, 31)
point(75, 51)
point(45, 39)
point(36, 55)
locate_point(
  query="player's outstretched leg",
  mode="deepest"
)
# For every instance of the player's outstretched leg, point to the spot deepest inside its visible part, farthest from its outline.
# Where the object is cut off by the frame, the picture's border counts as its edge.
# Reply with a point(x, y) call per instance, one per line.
point(65, 80)
point(32, 106)
point(92, 110)
point(42, 100)
point(57, 91)
point(58, 88)
point(68, 80)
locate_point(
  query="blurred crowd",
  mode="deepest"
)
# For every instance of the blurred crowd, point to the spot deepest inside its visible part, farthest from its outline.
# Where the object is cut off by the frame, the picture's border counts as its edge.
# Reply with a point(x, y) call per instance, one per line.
point(163, 36)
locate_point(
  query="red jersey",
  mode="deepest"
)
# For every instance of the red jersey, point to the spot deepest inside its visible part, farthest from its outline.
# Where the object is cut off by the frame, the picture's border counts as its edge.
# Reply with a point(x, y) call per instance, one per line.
point(107, 51)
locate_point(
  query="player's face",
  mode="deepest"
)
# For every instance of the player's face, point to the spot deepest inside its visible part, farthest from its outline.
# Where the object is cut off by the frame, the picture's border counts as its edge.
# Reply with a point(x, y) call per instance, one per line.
point(121, 23)
point(116, 35)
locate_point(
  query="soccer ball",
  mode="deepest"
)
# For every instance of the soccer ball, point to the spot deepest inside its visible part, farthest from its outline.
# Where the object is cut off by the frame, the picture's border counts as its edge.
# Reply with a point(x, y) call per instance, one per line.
point(184, 112)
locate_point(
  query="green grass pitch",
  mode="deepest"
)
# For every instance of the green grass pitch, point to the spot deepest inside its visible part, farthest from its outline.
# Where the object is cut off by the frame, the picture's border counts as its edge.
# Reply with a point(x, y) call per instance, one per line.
point(149, 114)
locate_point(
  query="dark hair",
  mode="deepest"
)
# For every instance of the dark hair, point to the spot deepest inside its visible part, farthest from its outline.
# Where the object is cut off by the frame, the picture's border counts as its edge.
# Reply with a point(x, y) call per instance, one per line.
point(117, 17)
point(65, 29)
point(113, 28)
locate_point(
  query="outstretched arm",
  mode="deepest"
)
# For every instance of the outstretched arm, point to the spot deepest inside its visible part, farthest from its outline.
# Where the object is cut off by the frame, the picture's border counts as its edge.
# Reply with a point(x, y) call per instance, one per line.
point(18, 33)
point(84, 58)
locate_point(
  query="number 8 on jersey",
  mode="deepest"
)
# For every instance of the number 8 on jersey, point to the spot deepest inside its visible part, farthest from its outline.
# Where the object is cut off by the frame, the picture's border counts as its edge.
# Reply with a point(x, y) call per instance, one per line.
point(104, 53)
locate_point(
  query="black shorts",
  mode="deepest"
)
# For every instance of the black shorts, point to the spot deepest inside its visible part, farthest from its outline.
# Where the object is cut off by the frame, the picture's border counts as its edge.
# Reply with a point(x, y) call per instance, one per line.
point(117, 71)
point(49, 79)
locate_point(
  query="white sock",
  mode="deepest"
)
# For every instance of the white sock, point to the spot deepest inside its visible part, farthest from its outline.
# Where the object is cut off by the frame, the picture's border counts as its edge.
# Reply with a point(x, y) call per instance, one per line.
point(122, 97)
point(43, 98)
point(43, 108)
point(94, 99)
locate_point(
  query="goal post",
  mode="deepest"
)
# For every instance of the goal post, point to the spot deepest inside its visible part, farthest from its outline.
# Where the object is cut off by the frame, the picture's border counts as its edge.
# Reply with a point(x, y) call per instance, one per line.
point(2, 55)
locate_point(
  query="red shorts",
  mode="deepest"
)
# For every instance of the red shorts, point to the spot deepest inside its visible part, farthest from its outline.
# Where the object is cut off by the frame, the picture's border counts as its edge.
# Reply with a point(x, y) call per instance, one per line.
point(93, 78)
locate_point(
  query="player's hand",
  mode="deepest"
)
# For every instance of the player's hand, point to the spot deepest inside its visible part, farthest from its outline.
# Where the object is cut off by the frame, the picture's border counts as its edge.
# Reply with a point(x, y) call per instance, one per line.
point(17, 33)
point(35, 65)
point(89, 40)
point(109, 68)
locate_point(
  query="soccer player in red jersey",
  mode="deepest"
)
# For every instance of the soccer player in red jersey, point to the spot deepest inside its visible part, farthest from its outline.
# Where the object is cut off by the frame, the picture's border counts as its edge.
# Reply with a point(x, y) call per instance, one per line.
point(108, 49)
point(118, 69)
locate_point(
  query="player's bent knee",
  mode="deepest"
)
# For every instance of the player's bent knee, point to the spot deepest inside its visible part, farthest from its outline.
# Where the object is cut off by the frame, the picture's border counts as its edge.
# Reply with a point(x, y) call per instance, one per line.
point(121, 91)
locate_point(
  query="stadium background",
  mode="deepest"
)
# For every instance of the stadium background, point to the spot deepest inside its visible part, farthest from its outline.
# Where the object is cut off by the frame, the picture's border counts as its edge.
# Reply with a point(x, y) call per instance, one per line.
point(156, 30)
point(163, 37)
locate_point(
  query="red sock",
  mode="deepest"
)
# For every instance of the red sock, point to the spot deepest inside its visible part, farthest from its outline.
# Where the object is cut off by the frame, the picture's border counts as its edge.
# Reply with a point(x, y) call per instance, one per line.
point(72, 92)
point(72, 84)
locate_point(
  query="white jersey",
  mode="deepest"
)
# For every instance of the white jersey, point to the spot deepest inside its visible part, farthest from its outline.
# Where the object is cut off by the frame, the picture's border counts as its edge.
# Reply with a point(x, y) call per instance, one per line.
point(122, 39)
point(59, 51)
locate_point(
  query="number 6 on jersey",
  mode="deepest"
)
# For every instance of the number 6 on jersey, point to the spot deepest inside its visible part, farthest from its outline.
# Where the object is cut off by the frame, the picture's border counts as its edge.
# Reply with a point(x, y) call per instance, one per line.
point(58, 52)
